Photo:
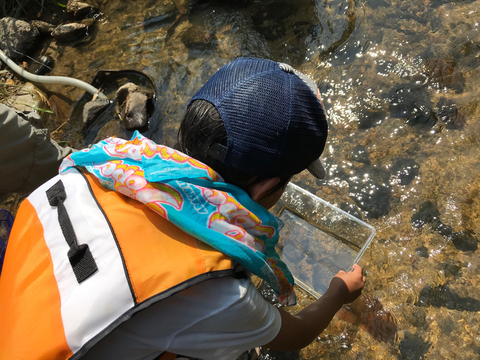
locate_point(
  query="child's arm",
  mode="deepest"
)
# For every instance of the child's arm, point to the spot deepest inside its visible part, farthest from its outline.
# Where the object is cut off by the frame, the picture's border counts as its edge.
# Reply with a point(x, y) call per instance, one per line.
point(299, 330)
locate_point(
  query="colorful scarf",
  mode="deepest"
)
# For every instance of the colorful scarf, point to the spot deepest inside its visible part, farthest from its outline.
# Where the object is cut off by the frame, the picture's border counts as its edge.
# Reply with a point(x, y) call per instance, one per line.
point(195, 198)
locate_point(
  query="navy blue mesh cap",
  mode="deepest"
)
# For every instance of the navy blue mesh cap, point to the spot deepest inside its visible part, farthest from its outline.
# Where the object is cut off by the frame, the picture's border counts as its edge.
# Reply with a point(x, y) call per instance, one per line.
point(274, 119)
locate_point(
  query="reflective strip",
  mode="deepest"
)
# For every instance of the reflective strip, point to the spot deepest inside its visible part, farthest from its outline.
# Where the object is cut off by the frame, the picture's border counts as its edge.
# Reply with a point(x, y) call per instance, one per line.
point(89, 307)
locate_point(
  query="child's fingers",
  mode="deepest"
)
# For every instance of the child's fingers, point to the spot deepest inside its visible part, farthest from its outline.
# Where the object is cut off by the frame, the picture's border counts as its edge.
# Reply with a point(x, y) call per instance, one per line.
point(357, 269)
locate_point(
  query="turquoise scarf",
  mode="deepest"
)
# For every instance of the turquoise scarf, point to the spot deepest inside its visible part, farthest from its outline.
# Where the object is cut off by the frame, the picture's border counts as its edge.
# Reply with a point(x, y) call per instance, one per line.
point(195, 198)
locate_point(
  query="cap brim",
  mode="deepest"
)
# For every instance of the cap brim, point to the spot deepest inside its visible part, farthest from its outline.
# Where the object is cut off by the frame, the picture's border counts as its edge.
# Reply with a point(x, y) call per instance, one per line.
point(317, 169)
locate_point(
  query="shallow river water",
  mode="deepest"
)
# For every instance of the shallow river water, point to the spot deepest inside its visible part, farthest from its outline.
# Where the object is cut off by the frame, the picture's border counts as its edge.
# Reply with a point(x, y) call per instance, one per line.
point(400, 82)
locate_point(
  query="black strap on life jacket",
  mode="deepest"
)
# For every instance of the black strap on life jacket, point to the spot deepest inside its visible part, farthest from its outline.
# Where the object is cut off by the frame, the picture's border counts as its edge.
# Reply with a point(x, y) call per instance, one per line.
point(80, 257)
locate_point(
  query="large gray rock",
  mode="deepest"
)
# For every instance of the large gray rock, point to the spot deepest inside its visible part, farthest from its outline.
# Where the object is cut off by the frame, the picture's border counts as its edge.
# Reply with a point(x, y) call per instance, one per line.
point(133, 100)
point(69, 32)
point(17, 36)
point(93, 109)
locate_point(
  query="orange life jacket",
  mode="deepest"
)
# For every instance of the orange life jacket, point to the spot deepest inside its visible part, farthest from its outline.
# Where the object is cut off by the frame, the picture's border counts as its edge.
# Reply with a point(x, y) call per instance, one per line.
point(65, 287)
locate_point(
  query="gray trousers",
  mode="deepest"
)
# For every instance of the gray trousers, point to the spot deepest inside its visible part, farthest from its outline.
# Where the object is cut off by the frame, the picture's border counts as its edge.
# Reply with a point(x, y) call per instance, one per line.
point(28, 157)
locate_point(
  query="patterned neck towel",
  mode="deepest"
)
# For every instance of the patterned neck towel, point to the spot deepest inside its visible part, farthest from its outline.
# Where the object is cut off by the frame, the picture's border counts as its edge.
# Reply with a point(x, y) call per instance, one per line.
point(195, 198)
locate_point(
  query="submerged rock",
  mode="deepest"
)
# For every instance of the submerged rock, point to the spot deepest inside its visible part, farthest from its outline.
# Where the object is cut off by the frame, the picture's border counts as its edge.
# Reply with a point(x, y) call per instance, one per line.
point(360, 154)
point(370, 190)
point(405, 170)
point(422, 251)
point(17, 36)
point(160, 13)
point(413, 104)
point(451, 267)
point(69, 32)
point(448, 114)
point(429, 214)
point(134, 102)
point(368, 118)
point(444, 73)
point(413, 347)
point(270, 20)
point(422, 116)
point(351, 209)
point(465, 241)
point(443, 296)
point(197, 36)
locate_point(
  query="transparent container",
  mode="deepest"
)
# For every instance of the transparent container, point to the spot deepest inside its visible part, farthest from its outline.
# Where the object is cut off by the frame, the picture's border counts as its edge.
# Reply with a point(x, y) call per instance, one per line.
point(318, 239)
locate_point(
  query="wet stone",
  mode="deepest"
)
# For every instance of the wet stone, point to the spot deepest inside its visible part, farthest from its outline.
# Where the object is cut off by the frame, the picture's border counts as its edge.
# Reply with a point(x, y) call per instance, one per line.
point(80, 9)
point(351, 209)
point(379, 3)
point(370, 190)
point(422, 116)
point(412, 347)
point(88, 22)
point(197, 36)
point(419, 318)
point(405, 170)
point(448, 326)
point(360, 154)
point(136, 105)
point(443, 73)
point(442, 229)
point(112, 128)
point(43, 27)
point(448, 114)
point(442, 296)
point(404, 99)
point(426, 214)
point(69, 32)
point(429, 214)
point(422, 251)
point(451, 267)
point(93, 109)
point(368, 118)
point(465, 241)
point(269, 20)
point(160, 13)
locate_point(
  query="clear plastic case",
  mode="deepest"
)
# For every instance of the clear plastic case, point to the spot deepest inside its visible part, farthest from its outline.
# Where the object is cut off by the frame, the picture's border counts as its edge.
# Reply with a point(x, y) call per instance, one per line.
point(318, 239)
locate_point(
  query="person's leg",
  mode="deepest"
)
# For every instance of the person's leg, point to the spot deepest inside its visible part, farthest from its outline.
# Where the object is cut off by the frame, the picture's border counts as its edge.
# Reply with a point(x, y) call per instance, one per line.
point(28, 157)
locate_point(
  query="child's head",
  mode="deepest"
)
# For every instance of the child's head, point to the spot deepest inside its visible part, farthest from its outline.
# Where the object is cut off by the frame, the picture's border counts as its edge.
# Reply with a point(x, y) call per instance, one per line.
point(256, 119)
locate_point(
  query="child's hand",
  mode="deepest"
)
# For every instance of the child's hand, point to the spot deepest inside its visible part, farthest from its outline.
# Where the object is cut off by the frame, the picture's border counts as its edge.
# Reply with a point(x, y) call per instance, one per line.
point(347, 286)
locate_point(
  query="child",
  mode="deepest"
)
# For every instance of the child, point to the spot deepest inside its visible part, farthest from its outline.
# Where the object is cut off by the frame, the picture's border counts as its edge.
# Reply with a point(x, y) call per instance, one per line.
point(92, 272)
